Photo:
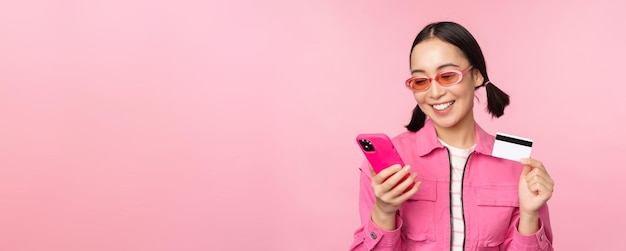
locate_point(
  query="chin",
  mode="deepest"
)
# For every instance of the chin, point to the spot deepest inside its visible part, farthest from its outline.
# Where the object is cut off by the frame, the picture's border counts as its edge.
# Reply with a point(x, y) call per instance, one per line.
point(445, 122)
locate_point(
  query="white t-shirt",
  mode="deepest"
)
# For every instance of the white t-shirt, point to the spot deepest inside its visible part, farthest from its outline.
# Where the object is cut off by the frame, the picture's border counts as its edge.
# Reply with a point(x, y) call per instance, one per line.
point(458, 158)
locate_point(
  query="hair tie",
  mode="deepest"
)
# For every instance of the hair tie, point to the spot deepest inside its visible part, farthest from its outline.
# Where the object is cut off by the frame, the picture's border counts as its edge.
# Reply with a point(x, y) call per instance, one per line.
point(486, 83)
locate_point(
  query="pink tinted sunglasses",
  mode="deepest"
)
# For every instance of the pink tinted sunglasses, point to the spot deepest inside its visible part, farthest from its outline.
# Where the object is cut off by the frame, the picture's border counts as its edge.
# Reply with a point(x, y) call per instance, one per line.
point(446, 78)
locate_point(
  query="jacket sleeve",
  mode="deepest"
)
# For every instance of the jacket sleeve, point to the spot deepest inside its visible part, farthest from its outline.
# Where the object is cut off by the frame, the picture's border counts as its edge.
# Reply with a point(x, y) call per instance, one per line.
point(368, 236)
point(540, 240)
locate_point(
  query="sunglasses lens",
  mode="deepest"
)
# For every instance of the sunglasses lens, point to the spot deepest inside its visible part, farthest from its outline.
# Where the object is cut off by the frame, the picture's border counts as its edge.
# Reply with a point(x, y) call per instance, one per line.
point(448, 78)
point(419, 84)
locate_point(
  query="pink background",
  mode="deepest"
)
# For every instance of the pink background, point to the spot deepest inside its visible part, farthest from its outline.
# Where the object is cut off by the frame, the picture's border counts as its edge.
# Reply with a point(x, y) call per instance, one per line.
point(230, 125)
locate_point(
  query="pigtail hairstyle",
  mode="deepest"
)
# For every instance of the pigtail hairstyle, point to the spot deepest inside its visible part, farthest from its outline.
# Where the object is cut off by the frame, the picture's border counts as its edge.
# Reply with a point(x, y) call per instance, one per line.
point(417, 120)
point(460, 37)
point(497, 100)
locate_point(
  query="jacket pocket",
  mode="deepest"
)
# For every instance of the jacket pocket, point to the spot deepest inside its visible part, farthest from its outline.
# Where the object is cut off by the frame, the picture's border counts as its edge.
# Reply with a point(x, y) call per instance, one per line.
point(496, 206)
point(418, 213)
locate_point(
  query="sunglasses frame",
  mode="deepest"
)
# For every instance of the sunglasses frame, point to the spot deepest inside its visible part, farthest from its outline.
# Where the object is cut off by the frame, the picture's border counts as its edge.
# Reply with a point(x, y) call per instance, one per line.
point(430, 80)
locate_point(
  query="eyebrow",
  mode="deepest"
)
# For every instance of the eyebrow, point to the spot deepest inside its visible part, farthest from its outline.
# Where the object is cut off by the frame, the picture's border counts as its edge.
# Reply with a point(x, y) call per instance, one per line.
point(438, 68)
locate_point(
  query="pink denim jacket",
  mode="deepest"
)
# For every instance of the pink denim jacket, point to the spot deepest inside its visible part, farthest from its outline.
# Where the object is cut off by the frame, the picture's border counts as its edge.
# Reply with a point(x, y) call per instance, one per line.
point(490, 201)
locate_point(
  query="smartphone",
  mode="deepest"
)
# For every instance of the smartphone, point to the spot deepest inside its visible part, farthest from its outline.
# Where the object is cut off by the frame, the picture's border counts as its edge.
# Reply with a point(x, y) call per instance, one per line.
point(380, 152)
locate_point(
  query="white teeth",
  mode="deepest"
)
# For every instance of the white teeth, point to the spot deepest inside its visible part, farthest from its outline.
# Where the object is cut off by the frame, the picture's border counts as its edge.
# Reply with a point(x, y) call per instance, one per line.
point(443, 106)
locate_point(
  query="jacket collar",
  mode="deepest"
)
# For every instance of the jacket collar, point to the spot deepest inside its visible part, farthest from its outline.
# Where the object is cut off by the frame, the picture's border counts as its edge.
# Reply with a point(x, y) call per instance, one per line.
point(427, 140)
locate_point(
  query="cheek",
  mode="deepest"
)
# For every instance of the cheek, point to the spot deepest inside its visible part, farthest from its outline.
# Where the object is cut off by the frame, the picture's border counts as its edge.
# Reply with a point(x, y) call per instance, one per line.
point(465, 90)
point(421, 100)
point(419, 97)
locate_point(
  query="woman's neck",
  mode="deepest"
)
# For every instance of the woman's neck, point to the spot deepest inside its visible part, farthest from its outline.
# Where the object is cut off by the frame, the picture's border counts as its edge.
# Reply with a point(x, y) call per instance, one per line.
point(461, 135)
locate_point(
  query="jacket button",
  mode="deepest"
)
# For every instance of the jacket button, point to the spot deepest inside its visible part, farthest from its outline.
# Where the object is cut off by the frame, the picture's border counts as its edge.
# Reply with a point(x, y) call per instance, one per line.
point(373, 235)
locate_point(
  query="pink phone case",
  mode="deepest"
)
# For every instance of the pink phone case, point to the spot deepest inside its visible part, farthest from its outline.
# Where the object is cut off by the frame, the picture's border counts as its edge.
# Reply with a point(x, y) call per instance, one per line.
point(379, 151)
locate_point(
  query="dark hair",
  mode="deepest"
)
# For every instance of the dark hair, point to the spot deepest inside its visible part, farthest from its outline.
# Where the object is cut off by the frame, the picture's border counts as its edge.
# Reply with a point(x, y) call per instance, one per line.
point(460, 37)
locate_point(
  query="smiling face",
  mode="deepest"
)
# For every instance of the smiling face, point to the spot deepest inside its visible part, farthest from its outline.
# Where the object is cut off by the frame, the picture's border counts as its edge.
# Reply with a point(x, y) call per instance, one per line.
point(447, 106)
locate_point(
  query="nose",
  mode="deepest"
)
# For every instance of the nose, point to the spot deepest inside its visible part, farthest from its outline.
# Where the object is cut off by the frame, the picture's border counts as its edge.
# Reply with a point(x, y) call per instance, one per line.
point(436, 90)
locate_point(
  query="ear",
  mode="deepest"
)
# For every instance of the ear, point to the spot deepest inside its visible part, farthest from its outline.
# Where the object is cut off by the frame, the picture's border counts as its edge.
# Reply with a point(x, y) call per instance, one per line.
point(478, 78)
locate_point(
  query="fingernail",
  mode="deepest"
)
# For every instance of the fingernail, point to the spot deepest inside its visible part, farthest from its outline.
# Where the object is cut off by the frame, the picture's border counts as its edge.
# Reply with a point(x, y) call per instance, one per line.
point(406, 168)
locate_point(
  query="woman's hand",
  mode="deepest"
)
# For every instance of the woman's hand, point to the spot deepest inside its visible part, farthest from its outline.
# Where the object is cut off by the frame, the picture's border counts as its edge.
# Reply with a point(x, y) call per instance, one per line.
point(390, 194)
point(535, 189)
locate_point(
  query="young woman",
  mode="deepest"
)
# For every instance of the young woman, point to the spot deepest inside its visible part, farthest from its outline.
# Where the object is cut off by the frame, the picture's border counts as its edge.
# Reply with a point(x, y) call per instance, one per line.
point(464, 198)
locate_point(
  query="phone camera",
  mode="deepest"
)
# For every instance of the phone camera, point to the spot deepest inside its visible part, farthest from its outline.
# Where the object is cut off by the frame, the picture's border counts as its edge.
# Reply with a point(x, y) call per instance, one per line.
point(367, 145)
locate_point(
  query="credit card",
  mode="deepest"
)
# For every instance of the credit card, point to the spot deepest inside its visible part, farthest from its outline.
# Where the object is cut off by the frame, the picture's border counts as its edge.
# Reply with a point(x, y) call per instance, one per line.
point(511, 147)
